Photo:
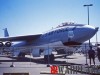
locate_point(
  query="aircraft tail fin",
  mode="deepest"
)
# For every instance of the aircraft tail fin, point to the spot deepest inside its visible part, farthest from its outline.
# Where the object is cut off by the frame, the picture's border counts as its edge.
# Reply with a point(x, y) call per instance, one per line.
point(6, 34)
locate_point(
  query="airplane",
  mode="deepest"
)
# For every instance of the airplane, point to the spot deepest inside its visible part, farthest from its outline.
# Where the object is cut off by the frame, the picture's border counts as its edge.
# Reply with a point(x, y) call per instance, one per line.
point(66, 35)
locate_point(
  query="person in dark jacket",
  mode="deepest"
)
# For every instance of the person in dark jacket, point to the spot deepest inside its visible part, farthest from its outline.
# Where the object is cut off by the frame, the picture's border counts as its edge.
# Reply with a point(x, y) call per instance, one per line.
point(98, 53)
point(91, 54)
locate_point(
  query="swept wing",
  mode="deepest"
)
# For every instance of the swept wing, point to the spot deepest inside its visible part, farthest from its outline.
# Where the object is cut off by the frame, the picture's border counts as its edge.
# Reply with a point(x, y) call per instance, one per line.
point(21, 38)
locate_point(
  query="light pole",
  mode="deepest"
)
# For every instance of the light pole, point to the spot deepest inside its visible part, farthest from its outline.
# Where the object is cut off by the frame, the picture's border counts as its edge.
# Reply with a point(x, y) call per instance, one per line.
point(88, 5)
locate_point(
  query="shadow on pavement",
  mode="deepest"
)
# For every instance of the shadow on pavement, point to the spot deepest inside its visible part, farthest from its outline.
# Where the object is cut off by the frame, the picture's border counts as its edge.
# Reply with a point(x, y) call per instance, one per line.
point(38, 61)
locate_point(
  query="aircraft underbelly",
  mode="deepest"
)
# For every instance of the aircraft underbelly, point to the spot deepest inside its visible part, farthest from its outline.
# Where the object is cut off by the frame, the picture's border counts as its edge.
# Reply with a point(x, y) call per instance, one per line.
point(53, 44)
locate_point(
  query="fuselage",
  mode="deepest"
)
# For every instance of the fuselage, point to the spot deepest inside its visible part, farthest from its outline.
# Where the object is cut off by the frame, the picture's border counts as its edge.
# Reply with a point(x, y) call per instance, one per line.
point(64, 35)
point(74, 34)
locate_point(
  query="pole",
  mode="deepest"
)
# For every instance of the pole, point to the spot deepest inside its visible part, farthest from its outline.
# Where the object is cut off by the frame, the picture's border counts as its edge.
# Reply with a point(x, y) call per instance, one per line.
point(30, 55)
point(86, 55)
point(96, 40)
point(88, 5)
point(88, 14)
point(88, 20)
point(12, 65)
point(48, 58)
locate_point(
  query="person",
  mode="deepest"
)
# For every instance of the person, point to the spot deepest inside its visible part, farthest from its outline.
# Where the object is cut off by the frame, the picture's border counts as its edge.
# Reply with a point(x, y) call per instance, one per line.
point(98, 53)
point(91, 54)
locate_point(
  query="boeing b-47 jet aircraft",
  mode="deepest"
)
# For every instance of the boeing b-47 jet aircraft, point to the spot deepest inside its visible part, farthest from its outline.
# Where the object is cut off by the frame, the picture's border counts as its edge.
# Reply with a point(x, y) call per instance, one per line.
point(65, 35)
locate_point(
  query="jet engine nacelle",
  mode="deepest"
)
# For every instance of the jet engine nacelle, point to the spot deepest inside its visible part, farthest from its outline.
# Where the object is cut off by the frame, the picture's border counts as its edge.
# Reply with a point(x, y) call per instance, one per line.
point(36, 52)
point(7, 44)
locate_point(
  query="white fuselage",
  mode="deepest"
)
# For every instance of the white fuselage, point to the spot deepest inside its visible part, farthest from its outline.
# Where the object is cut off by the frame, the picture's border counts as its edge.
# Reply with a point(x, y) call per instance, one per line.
point(66, 35)
point(72, 34)
point(75, 34)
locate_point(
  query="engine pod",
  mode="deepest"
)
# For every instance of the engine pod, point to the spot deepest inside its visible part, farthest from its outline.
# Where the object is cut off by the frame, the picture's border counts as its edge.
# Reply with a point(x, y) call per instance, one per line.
point(8, 44)
point(1, 44)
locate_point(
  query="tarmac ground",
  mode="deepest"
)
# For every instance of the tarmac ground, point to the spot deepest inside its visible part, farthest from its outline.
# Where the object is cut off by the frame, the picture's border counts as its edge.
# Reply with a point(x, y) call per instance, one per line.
point(37, 66)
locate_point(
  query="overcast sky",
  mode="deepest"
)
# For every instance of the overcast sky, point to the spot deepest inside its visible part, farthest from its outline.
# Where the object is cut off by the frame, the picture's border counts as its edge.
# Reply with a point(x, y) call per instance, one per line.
point(25, 17)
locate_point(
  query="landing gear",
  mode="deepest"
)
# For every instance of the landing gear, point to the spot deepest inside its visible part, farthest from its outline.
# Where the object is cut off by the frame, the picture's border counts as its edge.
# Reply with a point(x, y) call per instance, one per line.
point(21, 54)
point(49, 58)
point(65, 56)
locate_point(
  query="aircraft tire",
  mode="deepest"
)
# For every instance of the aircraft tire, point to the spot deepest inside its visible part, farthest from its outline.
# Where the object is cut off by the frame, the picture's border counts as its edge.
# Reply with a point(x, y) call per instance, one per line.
point(51, 58)
point(21, 54)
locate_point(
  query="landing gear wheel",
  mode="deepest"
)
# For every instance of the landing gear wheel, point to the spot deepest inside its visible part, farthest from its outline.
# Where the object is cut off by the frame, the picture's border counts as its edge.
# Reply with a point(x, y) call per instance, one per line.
point(65, 56)
point(52, 57)
point(21, 54)
point(49, 58)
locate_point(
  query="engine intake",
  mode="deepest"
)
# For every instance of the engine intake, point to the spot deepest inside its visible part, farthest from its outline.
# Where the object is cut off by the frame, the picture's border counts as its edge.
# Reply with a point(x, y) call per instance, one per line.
point(8, 44)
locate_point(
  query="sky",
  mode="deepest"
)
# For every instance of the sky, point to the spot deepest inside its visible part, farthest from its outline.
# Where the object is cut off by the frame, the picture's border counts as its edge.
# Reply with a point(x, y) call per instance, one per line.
point(29, 17)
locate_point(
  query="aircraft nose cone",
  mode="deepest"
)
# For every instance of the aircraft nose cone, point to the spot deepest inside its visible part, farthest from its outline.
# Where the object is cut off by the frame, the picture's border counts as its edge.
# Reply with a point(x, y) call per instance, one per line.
point(87, 33)
point(94, 30)
point(91, 31)
point(97, 28)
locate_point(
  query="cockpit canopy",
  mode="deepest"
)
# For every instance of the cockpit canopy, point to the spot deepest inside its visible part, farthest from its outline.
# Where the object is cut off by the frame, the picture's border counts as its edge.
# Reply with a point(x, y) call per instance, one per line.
point(69, 24)
point(65, 24)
